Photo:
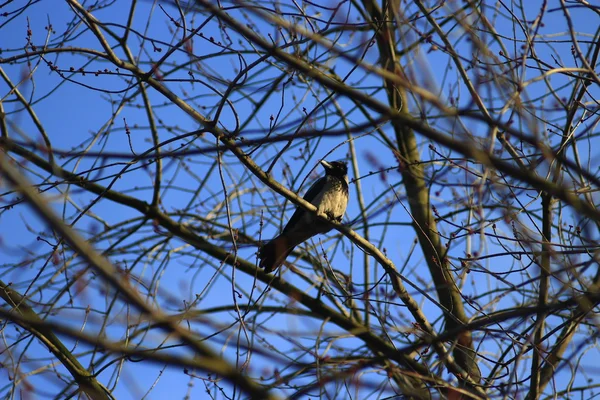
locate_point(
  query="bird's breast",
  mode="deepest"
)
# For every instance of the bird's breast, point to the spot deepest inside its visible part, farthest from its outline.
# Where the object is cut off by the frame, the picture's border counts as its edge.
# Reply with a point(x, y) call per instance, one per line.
point(333, 199)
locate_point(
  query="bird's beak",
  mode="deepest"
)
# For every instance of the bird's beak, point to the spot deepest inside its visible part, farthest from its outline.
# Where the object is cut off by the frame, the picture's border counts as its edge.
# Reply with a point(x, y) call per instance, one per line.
point(326, 165)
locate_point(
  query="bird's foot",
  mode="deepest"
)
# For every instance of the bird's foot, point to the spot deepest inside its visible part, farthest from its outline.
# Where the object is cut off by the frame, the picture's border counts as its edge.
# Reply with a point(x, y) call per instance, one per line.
point(332, 217)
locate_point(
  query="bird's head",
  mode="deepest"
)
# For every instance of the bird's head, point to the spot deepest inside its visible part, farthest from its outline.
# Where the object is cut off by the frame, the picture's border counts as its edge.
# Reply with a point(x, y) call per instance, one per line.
point(335, 168)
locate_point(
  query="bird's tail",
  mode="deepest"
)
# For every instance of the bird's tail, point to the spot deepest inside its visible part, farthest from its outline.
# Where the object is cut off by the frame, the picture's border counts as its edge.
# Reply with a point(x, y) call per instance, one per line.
point(274, 253)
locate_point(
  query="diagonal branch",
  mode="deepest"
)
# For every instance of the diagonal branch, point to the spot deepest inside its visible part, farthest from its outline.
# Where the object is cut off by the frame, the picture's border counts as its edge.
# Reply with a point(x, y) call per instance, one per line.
point(111, 275)
point(87, 382)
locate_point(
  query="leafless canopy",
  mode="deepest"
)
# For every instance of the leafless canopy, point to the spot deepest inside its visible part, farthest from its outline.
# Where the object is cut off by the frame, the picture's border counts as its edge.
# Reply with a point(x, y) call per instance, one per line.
point(148, 148)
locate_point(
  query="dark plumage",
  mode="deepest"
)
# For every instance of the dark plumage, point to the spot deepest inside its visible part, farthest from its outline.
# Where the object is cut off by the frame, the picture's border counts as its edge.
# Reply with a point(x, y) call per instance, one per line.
point(330, 195)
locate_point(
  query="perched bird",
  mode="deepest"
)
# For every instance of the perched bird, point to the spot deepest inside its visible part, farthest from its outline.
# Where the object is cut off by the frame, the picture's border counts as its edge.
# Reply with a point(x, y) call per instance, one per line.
point(330, 195)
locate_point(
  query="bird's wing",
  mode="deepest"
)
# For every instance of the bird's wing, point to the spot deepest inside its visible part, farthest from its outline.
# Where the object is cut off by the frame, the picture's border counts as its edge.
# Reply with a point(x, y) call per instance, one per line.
point(313, 191)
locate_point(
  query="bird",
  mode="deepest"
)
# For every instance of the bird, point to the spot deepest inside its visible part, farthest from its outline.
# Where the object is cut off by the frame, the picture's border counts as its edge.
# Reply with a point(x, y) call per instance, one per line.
point(330, 195)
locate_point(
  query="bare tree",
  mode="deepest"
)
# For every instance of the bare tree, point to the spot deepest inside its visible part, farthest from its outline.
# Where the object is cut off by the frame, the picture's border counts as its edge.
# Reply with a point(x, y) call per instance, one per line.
point(149, 148)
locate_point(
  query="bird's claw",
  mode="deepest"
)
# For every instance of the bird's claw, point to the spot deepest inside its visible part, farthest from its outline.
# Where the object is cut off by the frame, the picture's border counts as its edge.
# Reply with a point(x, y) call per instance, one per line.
point(332, 217)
